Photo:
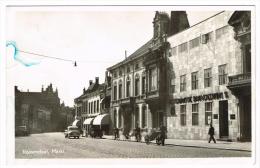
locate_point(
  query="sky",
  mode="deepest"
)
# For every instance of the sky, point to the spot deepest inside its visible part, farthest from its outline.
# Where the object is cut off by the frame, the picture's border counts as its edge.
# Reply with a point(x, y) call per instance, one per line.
point(96, 39)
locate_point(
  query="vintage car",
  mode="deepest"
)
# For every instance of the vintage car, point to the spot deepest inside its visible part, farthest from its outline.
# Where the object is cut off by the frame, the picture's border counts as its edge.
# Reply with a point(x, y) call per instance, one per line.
point(21, 131)
point(72, 131)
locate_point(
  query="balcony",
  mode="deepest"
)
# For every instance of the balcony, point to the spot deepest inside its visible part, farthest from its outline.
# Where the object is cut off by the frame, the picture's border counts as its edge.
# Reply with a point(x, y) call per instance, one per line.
point(123, 101)
point(154, 94)
point(241, 82)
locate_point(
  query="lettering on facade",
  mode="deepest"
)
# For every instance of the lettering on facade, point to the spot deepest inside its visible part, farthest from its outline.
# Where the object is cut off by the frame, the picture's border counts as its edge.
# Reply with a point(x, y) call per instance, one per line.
point(212, 96)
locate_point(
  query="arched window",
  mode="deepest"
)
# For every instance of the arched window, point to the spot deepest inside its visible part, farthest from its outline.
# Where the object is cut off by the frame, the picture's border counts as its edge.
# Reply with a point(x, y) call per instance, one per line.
point(143, 83)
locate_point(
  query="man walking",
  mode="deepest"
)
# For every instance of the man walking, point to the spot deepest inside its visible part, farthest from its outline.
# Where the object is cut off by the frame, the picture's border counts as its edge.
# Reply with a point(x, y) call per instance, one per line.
point(211, 133)
point(163, 133)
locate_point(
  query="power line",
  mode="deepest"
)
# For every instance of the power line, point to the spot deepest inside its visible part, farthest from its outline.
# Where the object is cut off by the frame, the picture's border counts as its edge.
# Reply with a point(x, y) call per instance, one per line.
point(41, 55)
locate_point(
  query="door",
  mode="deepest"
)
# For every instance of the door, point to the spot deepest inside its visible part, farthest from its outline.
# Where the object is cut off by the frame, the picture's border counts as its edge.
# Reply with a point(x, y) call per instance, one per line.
point(223, 119)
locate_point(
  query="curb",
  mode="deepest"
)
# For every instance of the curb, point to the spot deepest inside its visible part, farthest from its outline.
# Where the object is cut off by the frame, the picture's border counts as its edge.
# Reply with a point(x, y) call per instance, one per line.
point(192, 146)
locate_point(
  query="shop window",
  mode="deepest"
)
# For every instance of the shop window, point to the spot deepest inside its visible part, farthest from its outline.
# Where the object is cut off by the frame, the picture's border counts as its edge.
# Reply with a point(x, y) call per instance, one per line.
point(208, 113)
point(183, 114)
point(183, 47)
point(194, 42)
point(207, 77)
point(183, 83)
point(195, 114)
point(194, 80)
point(222, 74)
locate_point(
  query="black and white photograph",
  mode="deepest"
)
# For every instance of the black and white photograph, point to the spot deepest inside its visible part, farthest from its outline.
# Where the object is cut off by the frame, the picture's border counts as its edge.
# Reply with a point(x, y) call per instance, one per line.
point(130, 82)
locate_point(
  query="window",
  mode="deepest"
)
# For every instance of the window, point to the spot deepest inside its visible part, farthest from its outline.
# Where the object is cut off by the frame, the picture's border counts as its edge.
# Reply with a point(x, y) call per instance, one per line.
point(128, 83)
point(194, 43)
point(183, 83)
point(195, 114)
point(183, 47)
point(172, 85)
point(173, 112)
point(128, 69)
point(222, 74)
point(115, 74)
point(183, 114)
point(98, 105)
point(136, 66)
point(95, 106)
point(208, 113)
point(143, 84)
point(221, 31)
point(137, 85)
point(194, 80)
point(174, 51)
point(120, 90)
point(207, 77)
point(120, 73)
point(153, 79)
point(144, 117)
point(115, 91)
point(91, 107)
point(205, 38)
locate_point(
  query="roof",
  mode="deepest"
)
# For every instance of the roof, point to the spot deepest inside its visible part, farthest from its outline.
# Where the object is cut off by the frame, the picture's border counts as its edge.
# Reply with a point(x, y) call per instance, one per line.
point(139, 52)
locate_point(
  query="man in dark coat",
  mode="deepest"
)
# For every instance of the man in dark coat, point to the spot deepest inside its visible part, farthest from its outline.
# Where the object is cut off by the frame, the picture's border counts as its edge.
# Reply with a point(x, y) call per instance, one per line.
point(116, 133)
point(211, 133)
point(137, 133)
point(163, 133)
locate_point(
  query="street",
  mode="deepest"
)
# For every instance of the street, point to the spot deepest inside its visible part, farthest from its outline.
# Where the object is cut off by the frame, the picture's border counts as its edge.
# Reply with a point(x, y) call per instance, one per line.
point(54, 145)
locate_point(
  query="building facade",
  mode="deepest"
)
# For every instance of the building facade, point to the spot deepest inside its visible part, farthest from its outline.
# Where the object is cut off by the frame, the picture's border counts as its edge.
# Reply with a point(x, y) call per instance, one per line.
point(139, 83)
point(92, 103)
point(39, 111)
point(203, 61)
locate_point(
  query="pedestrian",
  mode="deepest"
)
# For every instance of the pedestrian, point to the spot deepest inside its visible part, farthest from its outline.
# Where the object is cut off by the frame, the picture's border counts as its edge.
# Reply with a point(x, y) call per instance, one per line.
point(116, 133)
point(163, 133)
point(211, 133)
point(137, 133)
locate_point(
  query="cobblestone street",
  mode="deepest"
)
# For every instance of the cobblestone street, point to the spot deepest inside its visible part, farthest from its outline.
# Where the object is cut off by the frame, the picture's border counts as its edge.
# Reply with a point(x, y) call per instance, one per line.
point(54, 145)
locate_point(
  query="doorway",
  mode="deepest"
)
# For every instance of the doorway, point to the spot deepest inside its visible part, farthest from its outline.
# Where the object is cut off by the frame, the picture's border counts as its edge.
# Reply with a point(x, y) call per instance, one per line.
point(223, 119)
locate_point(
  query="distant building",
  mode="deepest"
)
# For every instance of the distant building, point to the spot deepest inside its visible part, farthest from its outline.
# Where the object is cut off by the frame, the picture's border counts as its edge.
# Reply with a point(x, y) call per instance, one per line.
point(66, 116)
point(40, 111)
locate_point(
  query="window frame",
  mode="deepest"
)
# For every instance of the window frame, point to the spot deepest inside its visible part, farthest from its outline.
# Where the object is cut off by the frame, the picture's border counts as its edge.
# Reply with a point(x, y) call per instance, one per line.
point(195, 111)
point(183, 114)
point(222, 74)
point(194, 81)
point(208, 112)
point(183, 83)
point(207, 79)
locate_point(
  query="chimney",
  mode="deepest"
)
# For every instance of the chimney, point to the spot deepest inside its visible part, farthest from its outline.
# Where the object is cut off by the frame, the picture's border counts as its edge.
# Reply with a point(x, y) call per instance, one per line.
point(90, 82)
point(84, 90)
point(97, 80)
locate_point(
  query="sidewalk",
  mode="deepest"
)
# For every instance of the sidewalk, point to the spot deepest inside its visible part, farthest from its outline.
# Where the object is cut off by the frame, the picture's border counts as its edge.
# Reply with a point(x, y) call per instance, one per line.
point(238, 146)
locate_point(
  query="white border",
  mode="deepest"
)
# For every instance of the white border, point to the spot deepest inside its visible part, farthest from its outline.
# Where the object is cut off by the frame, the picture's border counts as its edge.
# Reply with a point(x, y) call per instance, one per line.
point(6, 119)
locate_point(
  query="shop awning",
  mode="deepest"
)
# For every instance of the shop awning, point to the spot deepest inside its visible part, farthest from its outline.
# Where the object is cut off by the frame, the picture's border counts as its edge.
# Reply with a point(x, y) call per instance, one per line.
point(75, 123)
point(102, 119)
point(88, 121)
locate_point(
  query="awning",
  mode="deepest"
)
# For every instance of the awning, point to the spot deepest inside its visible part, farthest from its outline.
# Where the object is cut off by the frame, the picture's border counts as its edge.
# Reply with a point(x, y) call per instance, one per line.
point(75, 123)
point(102, 119)
point(88, 121)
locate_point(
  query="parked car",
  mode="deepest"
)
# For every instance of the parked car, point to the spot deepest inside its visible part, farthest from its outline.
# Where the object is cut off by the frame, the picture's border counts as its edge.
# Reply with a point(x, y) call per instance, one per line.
point(72, 131)
point(21, 131)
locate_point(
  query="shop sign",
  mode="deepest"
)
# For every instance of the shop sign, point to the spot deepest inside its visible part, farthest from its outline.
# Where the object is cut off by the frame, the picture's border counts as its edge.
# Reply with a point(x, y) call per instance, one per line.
point(212, 96)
